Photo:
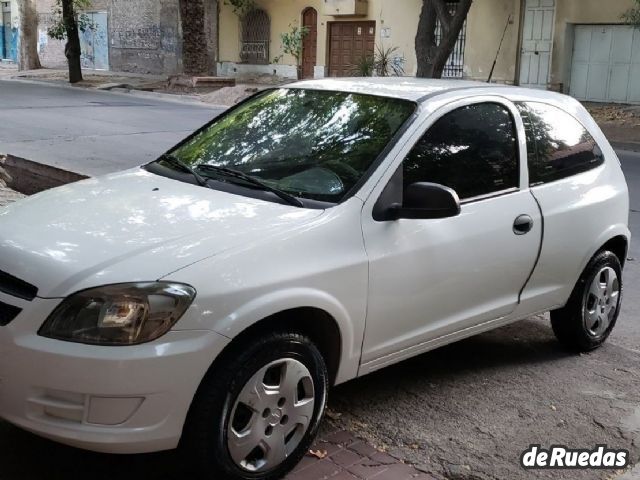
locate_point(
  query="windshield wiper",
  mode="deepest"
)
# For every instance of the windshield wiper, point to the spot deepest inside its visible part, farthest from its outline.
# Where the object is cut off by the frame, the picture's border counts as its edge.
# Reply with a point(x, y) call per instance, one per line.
point(176, 162)
point(230, 172)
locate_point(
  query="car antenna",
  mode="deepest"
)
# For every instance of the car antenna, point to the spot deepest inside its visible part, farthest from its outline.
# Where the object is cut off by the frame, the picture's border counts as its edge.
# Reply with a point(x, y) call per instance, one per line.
point(493, 67)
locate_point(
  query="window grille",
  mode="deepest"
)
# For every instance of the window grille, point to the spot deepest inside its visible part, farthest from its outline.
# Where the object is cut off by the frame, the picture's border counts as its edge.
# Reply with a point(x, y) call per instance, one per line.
point(256, 36)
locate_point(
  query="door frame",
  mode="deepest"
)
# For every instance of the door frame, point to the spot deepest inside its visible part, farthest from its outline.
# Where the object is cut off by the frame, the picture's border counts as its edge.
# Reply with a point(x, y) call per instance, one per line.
point(523, 13)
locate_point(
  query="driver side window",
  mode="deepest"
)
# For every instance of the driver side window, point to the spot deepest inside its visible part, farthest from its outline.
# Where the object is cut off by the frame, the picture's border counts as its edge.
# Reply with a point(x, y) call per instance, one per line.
point(473, 150)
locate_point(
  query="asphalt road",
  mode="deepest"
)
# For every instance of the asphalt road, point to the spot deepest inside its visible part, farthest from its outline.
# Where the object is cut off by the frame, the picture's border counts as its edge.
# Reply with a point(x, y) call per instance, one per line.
point(463, 412)
point(91, 132)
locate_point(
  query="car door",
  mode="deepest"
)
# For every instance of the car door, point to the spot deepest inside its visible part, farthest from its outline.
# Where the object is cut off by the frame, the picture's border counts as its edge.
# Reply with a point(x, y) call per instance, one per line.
point(431, 278)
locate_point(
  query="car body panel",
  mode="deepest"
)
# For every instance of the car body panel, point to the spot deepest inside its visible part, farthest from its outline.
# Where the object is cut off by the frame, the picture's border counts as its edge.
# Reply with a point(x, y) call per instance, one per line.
point(127, 227)
point(250, 259)
point(323, 266)
point(414, 264)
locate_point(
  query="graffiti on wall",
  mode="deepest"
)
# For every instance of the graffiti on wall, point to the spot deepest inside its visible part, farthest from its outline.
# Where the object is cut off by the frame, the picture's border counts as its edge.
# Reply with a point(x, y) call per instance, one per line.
point(94, 45)
point(135, 28)
point(13, 46)
point(9, 35)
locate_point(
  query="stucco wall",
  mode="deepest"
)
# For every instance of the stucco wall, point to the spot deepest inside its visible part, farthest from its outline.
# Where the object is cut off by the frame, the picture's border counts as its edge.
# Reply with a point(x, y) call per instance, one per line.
point(400, 21)
point(485, 25)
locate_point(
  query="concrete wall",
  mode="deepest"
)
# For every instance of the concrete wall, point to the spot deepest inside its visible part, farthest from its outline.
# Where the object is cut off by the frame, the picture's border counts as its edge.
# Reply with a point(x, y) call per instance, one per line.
point(51, 51)
point(144, 36)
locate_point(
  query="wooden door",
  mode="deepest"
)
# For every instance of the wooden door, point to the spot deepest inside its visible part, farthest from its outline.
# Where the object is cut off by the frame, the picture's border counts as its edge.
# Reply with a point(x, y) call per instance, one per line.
point(310, 44)
point(348, 43)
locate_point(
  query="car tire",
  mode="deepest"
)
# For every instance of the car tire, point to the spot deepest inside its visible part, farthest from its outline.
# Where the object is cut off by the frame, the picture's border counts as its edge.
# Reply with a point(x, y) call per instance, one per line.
point(590, 315)
point(227, 415)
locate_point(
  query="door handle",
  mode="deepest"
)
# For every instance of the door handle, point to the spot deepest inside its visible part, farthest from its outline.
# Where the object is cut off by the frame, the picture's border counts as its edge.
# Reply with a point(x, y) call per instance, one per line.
point(523, 225)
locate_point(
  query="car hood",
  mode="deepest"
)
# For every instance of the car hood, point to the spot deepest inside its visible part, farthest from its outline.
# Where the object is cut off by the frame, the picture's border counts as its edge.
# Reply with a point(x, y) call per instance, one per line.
point(130, 226)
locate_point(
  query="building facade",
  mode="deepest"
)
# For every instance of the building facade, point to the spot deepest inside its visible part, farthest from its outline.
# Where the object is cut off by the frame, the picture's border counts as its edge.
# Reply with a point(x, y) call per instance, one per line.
point(9, 30)
point(574, 46)
point(140, 36)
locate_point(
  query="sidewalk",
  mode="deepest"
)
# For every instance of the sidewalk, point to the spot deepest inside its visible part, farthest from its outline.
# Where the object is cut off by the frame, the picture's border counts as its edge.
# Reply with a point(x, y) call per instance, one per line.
point(620, 123)
point(160, 86)
point(342, 456)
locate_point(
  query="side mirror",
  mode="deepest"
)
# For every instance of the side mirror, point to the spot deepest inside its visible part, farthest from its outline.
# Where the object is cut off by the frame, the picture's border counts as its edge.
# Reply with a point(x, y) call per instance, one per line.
point(423, 201)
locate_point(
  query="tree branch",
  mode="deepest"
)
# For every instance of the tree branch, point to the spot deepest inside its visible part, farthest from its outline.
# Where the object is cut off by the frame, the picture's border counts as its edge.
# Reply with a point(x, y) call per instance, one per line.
point(442, 10)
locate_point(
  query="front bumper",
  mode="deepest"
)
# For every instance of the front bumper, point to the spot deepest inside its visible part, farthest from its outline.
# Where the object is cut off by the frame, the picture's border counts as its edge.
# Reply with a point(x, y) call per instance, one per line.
point(106, 399)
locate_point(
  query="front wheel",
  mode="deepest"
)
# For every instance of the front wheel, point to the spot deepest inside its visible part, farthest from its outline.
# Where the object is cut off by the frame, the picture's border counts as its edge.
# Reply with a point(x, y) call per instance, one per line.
point(587, 320)
point(255, 417)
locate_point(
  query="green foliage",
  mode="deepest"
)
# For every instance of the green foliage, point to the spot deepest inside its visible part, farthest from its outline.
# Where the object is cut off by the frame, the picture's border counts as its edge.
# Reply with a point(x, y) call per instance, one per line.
point(365, 66)
point(384, 63)
point(292, 42)
point(241, 7)
point(58, 30)
point(632, 16)
point(388, 63)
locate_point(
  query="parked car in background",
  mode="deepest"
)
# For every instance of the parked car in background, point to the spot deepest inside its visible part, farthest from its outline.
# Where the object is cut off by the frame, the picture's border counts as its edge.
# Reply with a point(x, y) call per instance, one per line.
point(310, 235)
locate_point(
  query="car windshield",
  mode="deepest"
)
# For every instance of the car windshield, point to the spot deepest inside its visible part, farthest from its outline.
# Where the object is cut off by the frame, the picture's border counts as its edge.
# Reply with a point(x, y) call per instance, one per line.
point(312, 144)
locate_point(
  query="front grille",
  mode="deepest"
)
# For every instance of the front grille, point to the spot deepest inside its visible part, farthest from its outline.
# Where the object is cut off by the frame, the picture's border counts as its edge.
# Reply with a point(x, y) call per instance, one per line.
point(17, 288)
point(8, 313)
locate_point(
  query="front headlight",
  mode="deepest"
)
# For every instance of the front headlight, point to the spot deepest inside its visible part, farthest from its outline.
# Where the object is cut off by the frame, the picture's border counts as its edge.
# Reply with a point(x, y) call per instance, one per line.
point(123, 314)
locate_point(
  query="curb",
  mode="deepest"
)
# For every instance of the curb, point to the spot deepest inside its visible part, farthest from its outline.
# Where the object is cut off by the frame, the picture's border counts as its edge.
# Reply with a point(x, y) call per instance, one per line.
point(29, 177)
point(169, 97)
point(628, 146)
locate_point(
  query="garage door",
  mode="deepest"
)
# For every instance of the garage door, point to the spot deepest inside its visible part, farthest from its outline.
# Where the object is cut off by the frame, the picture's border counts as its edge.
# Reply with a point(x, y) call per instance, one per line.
point(606, 63)
point(348, 43)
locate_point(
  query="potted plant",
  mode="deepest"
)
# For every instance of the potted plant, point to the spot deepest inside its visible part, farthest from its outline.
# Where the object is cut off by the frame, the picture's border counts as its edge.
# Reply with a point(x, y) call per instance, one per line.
point(292, 44)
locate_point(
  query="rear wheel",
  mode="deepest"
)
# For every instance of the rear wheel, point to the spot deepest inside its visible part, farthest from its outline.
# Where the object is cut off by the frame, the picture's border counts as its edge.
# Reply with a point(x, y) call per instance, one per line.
point(255, 417)
point(587, 320)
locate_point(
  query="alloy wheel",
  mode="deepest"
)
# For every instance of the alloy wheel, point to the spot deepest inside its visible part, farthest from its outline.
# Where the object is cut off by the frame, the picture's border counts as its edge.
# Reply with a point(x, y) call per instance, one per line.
point(601, 302)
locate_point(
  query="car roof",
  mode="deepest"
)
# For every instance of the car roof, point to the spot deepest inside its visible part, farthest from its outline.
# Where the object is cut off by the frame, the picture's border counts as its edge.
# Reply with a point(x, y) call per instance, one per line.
point(422, 89)
point(408, 88)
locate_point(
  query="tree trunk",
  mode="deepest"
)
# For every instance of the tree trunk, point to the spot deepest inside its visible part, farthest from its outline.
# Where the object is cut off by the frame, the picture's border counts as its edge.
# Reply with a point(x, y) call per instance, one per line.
point(431, 55)
point(72, 47)
point(199, 36)
point(28, 50)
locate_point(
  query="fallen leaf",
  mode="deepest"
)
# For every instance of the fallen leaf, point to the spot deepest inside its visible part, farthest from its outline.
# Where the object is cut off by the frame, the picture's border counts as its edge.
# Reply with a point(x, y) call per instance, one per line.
point(318, 453)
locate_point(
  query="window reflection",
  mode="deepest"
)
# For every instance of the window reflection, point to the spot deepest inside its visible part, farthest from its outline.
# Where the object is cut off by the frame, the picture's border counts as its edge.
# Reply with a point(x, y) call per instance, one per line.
point(472, 150)
point(314, 144)
point(558, 146)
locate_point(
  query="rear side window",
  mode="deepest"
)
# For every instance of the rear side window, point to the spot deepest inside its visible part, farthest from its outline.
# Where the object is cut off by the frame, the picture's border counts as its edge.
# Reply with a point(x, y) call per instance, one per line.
point(473, 150)
point(558, 146)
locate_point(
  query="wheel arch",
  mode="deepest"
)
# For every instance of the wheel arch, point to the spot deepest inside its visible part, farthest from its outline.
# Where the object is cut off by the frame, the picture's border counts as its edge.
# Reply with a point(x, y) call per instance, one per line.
point(616, 238)
point(619, 245)
point(313, 322)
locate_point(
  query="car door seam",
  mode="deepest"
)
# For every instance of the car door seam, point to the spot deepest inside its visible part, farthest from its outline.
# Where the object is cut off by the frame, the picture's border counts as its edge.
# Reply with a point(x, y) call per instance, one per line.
point(535, 264)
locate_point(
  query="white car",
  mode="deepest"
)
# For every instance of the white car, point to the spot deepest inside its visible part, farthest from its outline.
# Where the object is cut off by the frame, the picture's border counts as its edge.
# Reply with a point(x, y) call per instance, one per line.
point(310, 235)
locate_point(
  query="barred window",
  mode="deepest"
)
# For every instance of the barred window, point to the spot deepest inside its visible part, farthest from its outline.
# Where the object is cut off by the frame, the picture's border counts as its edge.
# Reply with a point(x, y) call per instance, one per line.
point(256, 36)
